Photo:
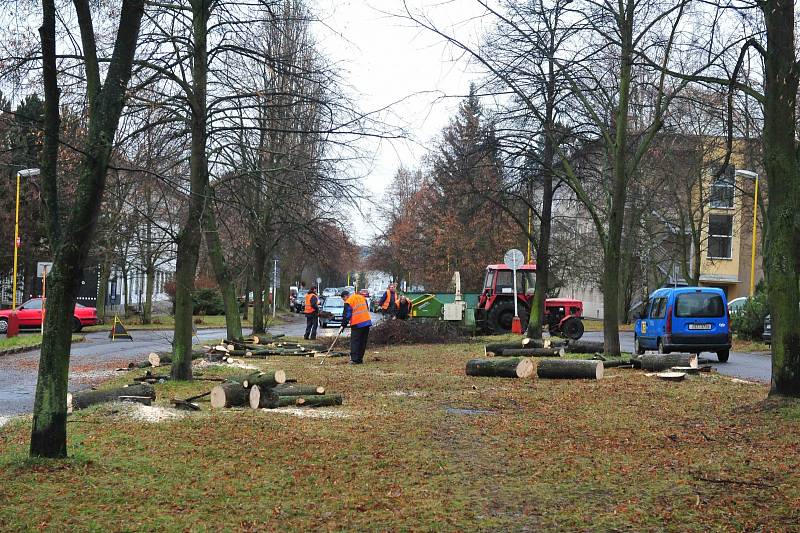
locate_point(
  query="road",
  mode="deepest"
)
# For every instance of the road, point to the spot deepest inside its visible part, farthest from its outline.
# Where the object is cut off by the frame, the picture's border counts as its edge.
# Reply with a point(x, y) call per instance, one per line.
point(96, 359)
point(750, 366)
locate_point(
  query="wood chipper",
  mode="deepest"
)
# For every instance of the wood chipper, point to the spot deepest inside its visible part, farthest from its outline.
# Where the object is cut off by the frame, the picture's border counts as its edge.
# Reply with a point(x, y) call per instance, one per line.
point(495, 310)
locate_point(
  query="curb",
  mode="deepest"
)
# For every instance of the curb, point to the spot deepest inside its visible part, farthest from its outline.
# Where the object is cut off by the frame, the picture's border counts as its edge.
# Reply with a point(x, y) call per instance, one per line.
point(30, 348)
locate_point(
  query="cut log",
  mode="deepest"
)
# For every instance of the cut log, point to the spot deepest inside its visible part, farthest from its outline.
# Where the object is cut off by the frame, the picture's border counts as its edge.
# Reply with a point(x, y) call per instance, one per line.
point(533, 352)
point(498, 347)
point(317, 400)
point(569, 369)
point(503, 367)
point(585, 347)
point(154, 359)
point(261, 398)
point(144, 400)
point(671, 376)
point(183, 405)
point(265, 379)
point(83, 399)
point(140, 364)
point(535, 343)
point(228, 395)
point(617, 363)
point(241, 380)
point(295, 389)
point(658, 362)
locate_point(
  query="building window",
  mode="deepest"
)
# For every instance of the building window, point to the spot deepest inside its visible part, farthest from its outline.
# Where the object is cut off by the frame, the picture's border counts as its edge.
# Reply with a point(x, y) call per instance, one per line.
point(720, 236)
point(722, 189)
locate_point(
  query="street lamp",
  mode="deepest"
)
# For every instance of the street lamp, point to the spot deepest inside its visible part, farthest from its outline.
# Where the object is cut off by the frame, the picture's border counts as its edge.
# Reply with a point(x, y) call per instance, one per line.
point(753, 176)
point(27, 173)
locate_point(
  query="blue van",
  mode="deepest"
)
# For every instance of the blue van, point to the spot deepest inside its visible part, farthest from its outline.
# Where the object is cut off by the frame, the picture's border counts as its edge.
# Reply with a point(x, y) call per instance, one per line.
point(685, 319)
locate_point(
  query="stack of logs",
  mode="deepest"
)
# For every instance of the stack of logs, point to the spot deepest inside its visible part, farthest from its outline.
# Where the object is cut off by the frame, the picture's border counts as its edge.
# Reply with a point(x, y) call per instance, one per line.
point(514, 360)
point(269, 390)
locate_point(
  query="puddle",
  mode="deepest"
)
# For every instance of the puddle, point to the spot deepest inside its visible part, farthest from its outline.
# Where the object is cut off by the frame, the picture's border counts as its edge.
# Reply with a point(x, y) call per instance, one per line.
point(458, 411)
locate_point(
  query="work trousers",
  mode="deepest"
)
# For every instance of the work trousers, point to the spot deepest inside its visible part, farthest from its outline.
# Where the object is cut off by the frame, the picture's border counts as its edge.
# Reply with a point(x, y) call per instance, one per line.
point(358, 344)
point(311, 326)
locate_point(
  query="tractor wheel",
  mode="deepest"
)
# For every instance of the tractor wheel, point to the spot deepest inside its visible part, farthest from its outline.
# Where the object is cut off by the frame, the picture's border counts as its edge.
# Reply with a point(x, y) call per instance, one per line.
point(501, 316)
point(573, 328)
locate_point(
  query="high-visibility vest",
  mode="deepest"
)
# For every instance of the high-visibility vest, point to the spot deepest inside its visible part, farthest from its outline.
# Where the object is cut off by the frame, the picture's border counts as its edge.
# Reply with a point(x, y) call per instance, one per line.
point(360, 312)
point(388, 300)
point(309, 309)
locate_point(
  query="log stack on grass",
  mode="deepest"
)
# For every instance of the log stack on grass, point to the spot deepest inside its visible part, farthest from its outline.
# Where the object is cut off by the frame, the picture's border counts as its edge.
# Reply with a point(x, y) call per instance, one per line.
point(270, 390)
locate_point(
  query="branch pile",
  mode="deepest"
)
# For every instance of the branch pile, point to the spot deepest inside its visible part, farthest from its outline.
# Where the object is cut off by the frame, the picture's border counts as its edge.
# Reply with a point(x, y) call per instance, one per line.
point(417, 331)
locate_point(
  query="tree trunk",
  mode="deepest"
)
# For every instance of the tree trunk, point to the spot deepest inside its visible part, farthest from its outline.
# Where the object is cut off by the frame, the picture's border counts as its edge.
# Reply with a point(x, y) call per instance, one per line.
point(569, 369)
point(246, 309)
point(782, 257)
point(102, 289)
point(86, 398)
point(259, 257)
point(657, 362)
point(189, 238)
point(147, 309)
point(229, 395)
point(318, 400)
point(505, 367)
point(71, 246)
point(233, 323)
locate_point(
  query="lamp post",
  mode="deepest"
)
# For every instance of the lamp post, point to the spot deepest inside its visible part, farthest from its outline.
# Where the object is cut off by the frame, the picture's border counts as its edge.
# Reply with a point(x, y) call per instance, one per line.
point(29, 172)
point(753, 176)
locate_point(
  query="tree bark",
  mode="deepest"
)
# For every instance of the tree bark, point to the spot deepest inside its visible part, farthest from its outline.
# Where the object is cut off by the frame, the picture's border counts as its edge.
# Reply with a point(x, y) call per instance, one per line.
point(86, 398)
point(147, 309)
point(585, 347)
point(505, 367)
point(782, 257)
point(71, 246)
point(233, 324)
point(532, 352)
point(259, 258)
point(657, 362)
point(102, 289)
point(190, 235)
point(569, 369)
point(266, 379)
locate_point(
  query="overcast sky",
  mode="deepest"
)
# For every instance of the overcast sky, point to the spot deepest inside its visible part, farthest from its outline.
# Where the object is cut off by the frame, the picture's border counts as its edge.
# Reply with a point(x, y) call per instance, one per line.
point(387, 59)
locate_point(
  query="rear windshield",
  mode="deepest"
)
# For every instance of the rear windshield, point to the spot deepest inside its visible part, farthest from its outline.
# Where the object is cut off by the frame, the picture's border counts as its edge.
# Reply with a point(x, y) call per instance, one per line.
point(334, 302)
point(699, 305)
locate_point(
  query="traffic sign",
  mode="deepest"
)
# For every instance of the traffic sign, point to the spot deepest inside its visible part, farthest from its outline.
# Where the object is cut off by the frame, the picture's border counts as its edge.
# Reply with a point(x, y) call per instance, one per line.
point(41, 266)
point(514, 258)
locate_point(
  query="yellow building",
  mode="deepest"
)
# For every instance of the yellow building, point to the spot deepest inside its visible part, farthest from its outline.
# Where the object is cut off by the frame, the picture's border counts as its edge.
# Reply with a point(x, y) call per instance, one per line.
point(727, 234)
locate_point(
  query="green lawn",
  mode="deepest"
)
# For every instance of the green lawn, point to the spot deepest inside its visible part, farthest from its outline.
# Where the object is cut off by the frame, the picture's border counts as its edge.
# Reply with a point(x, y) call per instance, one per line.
point(420, 446)
point(27, 339)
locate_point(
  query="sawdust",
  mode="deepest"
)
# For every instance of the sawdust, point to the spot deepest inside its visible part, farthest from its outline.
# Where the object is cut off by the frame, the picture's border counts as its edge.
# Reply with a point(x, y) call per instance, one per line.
point(744, 381)
point(310, 413)
point(4, 420)
point(144, 413)
point(405, 393)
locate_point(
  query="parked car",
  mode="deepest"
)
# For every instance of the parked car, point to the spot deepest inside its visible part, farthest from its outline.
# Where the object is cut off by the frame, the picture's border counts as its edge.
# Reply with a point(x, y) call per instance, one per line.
point(767, 335)
point(29, 315)
point(332, 311)
point(685, 319)
point(737, 304)
point(300, 301)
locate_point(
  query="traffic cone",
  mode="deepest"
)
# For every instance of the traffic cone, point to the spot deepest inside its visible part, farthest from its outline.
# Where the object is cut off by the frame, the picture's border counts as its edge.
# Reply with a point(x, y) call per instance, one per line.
point(516, 326)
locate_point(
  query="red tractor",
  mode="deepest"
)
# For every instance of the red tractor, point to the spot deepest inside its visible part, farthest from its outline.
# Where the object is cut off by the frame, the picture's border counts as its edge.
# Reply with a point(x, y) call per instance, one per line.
point(495, 310)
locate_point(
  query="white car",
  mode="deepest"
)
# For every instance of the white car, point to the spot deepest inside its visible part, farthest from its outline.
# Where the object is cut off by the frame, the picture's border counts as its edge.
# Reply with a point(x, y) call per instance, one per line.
point(736, 305)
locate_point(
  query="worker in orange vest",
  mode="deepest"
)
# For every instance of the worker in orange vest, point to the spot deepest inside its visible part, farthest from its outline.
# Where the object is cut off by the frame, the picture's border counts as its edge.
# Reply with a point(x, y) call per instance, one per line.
point(356, 314)
point(389, 302)
point(311, 310)
point(404, 308)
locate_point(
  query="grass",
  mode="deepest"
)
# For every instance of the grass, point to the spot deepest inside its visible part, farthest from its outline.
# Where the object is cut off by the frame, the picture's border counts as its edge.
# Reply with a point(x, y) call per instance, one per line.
point(166, 322)
point(627, 453)
point(27, 339)
point(744, 345)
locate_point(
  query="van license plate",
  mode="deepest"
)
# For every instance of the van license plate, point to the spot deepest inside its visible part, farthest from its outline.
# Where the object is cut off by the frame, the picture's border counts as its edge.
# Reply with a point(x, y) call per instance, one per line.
point(699, 326)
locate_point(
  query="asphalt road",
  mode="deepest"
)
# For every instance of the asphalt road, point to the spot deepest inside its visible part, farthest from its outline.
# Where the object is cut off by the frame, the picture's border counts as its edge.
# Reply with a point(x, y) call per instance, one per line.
point(750, 366)
point(96, 359)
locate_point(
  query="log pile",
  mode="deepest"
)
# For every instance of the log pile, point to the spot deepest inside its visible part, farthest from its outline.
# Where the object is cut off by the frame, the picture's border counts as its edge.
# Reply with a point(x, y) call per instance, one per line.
point(270, 390)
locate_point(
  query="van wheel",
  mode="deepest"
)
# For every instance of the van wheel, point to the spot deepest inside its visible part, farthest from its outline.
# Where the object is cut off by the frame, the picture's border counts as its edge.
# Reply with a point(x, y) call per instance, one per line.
point(637, 347)
point(723, 355)
point(661, 347)
point(76, 325)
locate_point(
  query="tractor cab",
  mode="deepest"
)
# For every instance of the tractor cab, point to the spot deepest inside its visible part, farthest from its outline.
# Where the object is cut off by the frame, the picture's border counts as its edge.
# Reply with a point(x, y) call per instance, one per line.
point(495, 310)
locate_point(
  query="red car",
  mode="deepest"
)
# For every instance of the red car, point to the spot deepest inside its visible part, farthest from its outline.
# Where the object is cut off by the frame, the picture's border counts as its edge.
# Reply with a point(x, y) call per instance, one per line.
point(29, 315)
